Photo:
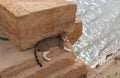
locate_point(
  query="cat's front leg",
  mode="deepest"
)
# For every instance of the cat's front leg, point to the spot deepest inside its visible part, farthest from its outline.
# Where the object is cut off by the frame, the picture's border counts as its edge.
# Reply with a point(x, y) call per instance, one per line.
point(66, 44)
point(45, 55)
point(67, 49)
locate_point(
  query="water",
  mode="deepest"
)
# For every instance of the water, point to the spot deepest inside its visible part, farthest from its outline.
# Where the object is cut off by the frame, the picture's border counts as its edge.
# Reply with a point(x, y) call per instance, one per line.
point(101, 30)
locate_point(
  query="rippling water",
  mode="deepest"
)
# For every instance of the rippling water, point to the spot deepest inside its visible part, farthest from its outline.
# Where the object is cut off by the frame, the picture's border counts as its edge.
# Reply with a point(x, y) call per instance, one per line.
point(101, 29)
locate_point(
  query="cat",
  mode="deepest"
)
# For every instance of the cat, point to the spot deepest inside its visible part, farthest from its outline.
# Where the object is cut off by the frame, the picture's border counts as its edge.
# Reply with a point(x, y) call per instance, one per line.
point(45, 45)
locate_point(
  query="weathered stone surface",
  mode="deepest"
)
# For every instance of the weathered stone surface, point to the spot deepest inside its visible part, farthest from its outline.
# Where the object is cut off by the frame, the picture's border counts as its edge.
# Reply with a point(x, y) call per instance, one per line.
point(91, 73)
point(77, 32)
point(74, 70)
point(2, 32)
point(73, 36)
point(27, 22)
point(16, 64)
point(46, 0)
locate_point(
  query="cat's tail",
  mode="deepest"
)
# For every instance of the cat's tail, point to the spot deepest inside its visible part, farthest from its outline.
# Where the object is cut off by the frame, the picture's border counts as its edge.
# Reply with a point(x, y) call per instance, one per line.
point(37, 59)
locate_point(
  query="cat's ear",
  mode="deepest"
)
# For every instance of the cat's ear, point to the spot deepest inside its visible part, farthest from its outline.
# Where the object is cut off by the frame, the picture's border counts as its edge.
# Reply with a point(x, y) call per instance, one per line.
point(64, 36)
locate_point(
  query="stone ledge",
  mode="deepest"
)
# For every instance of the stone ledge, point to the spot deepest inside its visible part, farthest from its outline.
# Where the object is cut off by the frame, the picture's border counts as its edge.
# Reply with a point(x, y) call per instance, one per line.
point(17, 64)
point(74, 70)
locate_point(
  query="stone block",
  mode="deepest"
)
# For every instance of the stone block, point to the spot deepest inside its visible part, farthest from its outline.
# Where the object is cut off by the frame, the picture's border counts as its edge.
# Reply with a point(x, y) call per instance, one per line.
point(77, 32)
point(17, 64)
point(27, 22)
point(73, 36)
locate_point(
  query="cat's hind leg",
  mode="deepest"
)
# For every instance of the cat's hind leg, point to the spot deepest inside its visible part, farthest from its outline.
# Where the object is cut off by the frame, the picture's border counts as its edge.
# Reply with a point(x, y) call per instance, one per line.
point(45, 55)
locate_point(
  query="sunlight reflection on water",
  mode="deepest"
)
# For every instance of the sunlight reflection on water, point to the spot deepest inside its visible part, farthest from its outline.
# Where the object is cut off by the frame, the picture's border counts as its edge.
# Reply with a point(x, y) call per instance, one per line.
point(101, 29)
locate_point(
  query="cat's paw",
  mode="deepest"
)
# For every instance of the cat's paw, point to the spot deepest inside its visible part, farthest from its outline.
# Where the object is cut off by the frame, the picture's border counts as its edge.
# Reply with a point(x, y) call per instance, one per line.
point(45, 56)
point(48, 59)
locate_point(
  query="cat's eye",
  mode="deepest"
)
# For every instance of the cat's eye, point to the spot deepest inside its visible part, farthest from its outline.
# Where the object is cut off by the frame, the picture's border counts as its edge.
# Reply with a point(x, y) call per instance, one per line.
point(38, 50)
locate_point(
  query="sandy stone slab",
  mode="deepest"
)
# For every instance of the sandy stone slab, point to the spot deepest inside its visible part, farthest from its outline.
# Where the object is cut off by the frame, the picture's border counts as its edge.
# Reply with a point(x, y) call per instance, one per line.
point(17, 64)
point(27, 22)
point(75, 70)
point(13, 61)
point(73, 36)
point(10, 56)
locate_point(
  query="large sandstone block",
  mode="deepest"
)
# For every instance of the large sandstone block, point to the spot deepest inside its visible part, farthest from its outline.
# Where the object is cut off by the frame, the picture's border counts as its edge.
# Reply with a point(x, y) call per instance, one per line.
point(16, 64)
point(27, 22)
point(73, 36)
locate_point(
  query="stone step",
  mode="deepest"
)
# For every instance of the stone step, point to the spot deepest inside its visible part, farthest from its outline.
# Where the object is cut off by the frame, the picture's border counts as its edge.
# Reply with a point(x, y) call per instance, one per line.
point(11, 57)
point(77, 70)
point(61, 61)
point(17, 64)
point(24, 73)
